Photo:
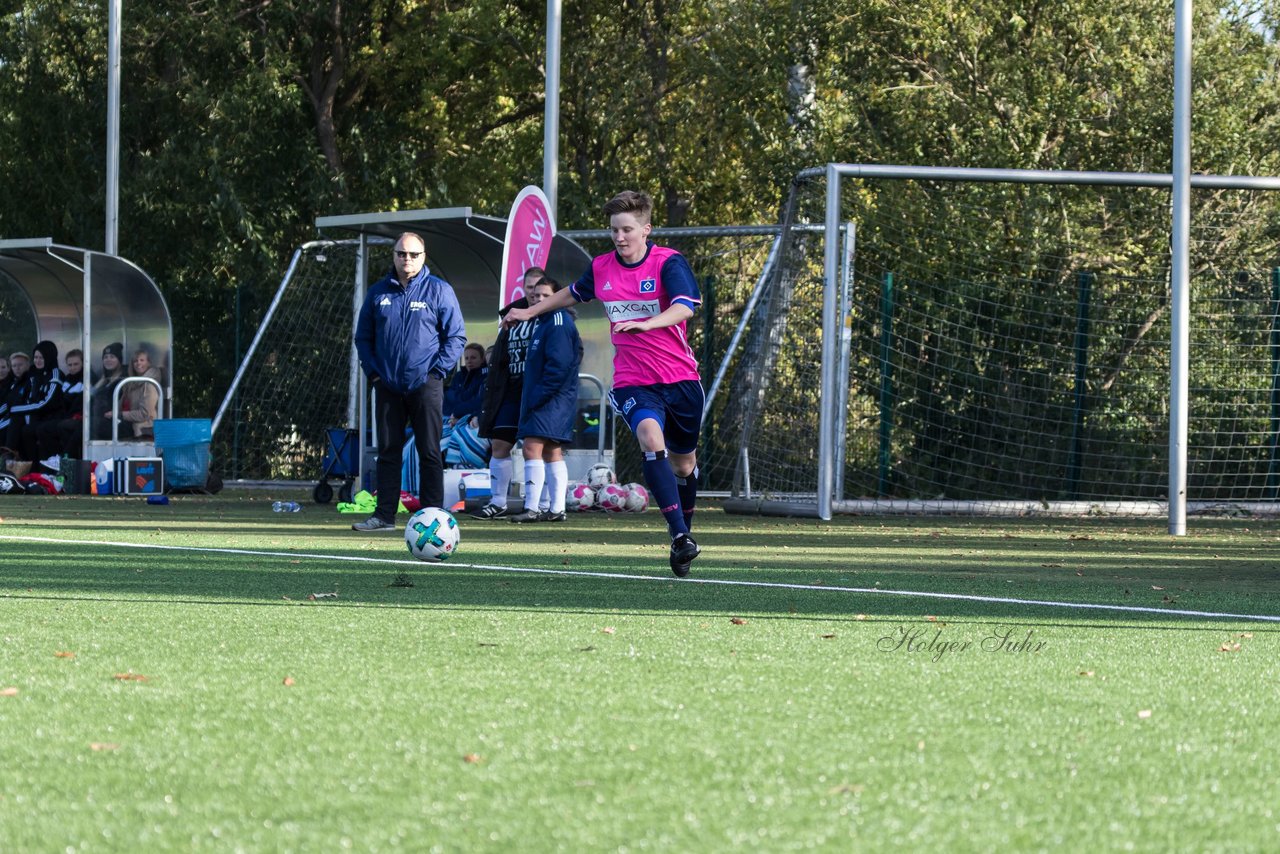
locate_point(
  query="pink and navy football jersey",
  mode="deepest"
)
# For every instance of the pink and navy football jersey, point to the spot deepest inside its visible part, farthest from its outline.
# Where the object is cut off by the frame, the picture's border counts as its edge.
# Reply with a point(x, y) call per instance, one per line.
point(638, 292)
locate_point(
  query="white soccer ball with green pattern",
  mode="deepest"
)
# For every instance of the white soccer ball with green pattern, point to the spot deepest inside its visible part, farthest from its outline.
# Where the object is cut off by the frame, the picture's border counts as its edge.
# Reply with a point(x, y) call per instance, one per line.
point(432, 534)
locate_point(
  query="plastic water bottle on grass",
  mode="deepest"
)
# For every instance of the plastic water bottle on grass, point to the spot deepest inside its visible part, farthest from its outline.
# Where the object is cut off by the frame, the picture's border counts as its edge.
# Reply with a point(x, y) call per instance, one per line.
point(286, 506)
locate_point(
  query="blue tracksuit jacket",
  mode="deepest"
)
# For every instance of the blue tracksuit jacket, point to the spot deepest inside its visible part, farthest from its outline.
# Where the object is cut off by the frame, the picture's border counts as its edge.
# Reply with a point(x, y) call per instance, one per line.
point(549, 402)
point(406, 334)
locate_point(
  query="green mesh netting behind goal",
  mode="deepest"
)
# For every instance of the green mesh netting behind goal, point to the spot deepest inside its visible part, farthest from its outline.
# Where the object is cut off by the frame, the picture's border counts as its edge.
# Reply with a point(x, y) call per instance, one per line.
point(1011, 344)
point(296, 384)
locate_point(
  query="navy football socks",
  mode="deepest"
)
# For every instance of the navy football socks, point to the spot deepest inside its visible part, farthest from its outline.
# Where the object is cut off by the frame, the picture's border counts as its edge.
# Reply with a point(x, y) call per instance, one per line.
point(687, 488)
point(662, 483)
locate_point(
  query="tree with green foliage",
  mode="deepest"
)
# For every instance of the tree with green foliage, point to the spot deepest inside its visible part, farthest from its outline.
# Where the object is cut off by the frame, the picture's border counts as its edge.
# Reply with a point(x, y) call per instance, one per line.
point(243, 120)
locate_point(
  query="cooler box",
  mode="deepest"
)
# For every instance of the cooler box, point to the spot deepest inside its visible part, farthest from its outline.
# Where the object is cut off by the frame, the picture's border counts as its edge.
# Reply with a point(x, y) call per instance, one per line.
point(474, 486)
point(184, 444)
point(139, 476)
point(469, 485)
point(102, 478)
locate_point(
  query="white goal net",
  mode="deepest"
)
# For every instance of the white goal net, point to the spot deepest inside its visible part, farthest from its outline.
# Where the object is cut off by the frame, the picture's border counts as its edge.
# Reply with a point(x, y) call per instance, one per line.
point(1004, 347)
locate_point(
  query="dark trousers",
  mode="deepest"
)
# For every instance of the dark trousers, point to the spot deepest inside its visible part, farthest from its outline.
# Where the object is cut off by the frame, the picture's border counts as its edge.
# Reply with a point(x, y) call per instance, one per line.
point(25, 437)
point(422, 409)
point(12, 438)
point(59, 437)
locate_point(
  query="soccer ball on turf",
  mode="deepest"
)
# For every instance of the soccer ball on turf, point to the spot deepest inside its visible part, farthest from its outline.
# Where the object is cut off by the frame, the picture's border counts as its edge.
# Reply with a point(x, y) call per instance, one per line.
point(580, 497)
point(637, 498)
point(600, 475)
point(431, 534)
point(612, 498)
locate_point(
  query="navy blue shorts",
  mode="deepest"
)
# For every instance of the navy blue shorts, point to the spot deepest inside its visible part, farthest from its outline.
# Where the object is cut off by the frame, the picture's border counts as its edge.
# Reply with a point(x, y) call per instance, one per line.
point(507, 420)
point(677, 407)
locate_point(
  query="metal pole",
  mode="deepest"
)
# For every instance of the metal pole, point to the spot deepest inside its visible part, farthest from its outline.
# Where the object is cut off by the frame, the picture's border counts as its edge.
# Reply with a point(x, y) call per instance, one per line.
point(86, 347)
point(356, 388)
point(1273, 468)
point(830, 336)
point(1084, 284)
point(239, 423)
point(1038, 176)
point(551, 111)
point(886, 383)
point(113, 125)
point(262, 328)
point(355, 391)
point(846, 345)
point(1180, 269)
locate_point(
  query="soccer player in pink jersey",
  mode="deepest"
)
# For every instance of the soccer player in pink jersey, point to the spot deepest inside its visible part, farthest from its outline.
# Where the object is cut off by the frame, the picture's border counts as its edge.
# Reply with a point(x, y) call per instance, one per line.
point(648, 293)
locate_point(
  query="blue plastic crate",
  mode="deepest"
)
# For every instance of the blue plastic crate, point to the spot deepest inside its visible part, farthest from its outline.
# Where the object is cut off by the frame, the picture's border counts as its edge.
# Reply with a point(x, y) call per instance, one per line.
point(179, 432)
point(184, 444)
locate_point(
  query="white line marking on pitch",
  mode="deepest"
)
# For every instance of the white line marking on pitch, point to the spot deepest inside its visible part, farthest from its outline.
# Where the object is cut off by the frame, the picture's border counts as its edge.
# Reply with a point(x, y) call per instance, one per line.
point(771, 585)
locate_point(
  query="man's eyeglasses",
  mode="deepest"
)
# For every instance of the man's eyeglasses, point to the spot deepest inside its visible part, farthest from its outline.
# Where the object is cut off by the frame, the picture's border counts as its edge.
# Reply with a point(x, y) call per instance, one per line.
point(400, 253)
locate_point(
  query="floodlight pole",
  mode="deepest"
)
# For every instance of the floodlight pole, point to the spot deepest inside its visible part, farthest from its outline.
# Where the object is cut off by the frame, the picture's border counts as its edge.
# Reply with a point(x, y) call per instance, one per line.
point(1180, 277)
point(113, 126)
point(551, 112)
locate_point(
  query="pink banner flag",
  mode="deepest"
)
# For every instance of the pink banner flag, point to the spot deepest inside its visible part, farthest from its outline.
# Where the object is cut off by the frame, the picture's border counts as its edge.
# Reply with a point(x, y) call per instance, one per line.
point(528, 244)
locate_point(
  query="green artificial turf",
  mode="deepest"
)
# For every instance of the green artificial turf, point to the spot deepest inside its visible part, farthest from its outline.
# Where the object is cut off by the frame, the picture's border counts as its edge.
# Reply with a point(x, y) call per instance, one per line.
point(200, 700)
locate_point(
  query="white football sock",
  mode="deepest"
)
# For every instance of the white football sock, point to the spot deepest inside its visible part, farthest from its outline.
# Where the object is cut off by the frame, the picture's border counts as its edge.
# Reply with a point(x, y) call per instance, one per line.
point(500, 480)
point(557, 483)
point(534, 475)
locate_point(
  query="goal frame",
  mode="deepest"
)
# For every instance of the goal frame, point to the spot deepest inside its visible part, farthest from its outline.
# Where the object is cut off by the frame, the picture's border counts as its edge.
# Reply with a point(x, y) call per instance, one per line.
point(830, 433)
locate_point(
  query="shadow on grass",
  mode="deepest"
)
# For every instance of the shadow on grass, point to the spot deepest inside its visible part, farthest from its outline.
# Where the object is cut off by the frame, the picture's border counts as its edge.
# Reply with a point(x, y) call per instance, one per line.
point(63, 571)
point(959, 617)
point(1225, 566)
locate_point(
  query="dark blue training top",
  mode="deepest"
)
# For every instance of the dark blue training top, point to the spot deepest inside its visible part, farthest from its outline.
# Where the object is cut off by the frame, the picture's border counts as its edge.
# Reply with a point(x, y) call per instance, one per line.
point(406, 334)
point(549, 403)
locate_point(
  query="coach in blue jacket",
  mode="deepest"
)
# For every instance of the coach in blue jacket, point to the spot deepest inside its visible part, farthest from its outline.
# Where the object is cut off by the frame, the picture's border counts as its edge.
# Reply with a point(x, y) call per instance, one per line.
point(408, 336)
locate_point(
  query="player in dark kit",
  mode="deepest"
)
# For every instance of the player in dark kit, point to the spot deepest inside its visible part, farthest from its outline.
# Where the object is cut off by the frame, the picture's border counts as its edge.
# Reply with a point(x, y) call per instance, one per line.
point(500, 415)
point(548, 406)
point(649, 293)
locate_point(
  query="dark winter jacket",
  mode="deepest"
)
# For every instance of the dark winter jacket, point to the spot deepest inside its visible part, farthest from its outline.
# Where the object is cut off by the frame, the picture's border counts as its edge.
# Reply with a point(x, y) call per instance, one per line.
point(549, 405)
point(405, 335)
point(6, 385)
point(17, 393)
point(45, 395)
point(464, 397)
point(101, 401)
point(72, 396)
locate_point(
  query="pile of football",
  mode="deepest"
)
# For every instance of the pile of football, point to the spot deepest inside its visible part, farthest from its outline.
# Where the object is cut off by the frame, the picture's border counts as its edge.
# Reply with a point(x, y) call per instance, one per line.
point(601, 491)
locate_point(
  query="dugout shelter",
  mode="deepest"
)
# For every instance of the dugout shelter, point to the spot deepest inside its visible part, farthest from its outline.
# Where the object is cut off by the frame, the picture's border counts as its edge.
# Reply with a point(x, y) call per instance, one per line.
point(82, 299)
point(300, 376)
